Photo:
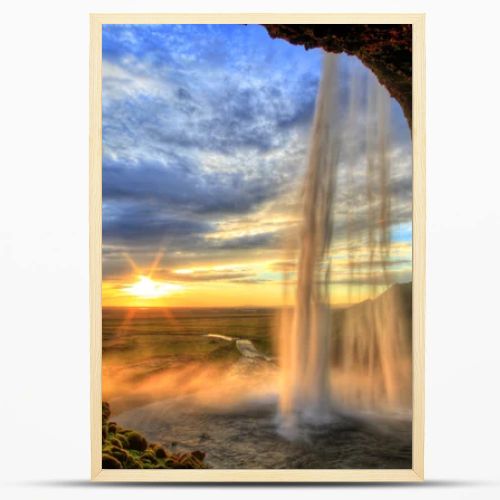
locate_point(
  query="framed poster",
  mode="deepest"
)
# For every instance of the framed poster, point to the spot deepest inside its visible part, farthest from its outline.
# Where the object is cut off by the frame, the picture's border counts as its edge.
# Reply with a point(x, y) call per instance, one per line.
point(257, 244)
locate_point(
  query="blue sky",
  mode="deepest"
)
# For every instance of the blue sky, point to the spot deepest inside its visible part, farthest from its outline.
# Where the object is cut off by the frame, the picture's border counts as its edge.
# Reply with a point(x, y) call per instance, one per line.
point(205, 134)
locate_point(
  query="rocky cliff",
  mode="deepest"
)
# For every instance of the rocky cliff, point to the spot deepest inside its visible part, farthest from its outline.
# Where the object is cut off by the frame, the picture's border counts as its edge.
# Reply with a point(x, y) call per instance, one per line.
point(386, 49)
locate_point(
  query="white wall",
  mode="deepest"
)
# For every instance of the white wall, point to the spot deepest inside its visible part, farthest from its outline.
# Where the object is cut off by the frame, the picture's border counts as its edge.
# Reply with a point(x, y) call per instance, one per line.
point(44, 363)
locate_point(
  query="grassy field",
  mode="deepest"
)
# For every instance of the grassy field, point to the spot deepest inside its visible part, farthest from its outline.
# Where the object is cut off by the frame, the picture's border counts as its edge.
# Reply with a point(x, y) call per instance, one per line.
point(149, 353)
point(170, 375)
point(132, 334)
point(141, 344)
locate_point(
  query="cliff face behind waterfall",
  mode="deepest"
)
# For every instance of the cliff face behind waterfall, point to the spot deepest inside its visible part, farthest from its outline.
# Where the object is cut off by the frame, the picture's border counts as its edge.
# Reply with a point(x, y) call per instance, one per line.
point(372, 352)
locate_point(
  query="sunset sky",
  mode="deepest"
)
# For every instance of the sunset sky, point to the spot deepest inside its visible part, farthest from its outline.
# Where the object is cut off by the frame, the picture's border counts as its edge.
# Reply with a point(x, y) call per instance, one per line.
point(205, 134)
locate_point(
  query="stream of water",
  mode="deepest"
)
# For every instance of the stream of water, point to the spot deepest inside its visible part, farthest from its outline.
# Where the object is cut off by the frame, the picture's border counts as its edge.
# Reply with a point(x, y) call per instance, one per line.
point(373, 354)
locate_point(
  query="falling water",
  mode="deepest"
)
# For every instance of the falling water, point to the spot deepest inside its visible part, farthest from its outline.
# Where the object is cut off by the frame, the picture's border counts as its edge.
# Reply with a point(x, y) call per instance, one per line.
point(372, 353)
point(361, 358)
point(305, 339)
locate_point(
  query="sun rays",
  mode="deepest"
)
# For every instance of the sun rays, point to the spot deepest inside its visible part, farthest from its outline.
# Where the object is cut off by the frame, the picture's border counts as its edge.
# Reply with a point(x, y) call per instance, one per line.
point(146, 288)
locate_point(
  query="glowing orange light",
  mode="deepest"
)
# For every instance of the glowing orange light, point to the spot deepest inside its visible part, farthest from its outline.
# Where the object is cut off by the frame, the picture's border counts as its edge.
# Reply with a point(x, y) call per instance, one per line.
point(147, 288)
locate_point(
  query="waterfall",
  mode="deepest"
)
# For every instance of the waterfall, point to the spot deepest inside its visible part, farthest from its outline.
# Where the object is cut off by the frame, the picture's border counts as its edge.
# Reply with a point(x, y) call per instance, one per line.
point(305, 338)
point(345, 209)
point(372, 353)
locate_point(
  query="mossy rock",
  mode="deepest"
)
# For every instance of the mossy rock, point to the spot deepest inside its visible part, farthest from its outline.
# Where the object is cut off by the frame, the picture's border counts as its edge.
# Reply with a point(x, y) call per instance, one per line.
point(119, 453)
point(122, 439)
point(106, 412)
point(110, 462)
point(168, 463)
point(128, 449)
point(115, 442)
point(136, 441)
point(149, 455)
point(133, 464)
point(159, 451)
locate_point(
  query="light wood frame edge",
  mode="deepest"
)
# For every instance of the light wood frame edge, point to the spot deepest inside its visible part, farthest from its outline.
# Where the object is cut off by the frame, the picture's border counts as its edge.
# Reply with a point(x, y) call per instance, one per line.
point(419, 245)
point(419, 251)
point(95, 241)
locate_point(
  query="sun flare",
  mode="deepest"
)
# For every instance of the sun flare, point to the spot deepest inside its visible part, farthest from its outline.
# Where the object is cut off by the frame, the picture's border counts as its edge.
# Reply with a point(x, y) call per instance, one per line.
point(147, 288)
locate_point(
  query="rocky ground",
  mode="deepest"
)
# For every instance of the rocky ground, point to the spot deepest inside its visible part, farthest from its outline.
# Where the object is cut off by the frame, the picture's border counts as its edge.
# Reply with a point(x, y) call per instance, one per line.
point(127, 449)
point(247, 437)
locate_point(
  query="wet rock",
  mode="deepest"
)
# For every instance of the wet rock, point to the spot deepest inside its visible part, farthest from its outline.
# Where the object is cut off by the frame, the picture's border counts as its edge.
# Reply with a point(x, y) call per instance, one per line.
point(149, 456)
point(122, 438)
point(134, 464)
point(199, 455)
point(115, 442)
point(119, 453)
point(106, 412)
point(160, 452)
point(136, 441)
point(110, 462)
point(128, 449)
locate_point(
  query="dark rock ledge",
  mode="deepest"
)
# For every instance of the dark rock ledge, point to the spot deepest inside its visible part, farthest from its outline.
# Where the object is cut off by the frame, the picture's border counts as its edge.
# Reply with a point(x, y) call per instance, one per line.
point(386, 49)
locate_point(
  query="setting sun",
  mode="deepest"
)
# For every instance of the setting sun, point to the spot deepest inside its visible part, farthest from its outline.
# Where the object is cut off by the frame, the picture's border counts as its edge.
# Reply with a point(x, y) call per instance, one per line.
point(147, 288)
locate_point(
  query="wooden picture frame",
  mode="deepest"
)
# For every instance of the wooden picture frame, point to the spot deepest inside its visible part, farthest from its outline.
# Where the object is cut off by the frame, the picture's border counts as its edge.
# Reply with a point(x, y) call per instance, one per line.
point(416, 473)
